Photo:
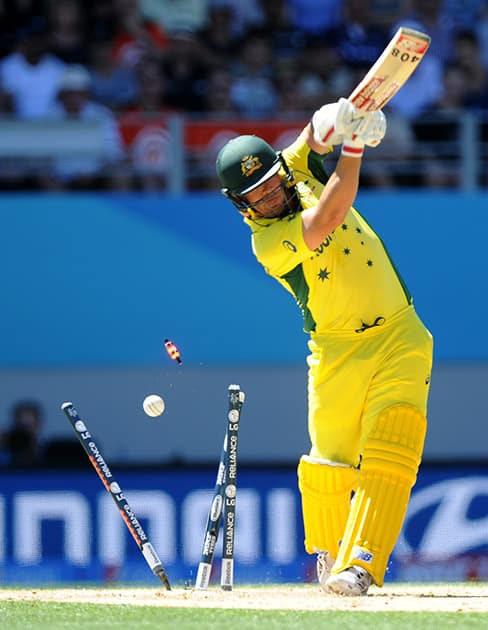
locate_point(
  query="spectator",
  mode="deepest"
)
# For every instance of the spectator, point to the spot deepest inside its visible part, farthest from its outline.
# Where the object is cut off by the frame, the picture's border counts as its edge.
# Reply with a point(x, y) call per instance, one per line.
point(30, 75)
point(136, 37)
point(430, 16)
point(218, 107)
point(100, 18)
point(253, 91)
point(393, 164)
point(247, 15)
point(86, 172)
point(291, 103)
point(438, 131)
point(323, 77)
point(358, 37)
point(144, 126)
point(13, 16)
point(218, 99)
point(217, 39)
point(314, 18)
point(186, 15)
point(286, 39)
point(67, 34)
point(464, 13)
point(481, 28)
point(21, 442)
point(13, 174)
point(152, 86)
point(112, 83)
point(6, 105)
point(386, 13)
point(184, 65)
point(467, 54)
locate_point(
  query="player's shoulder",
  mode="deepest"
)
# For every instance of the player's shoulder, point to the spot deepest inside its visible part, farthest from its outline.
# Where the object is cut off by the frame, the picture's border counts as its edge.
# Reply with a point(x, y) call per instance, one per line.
point(297, 149)
point(304, 162)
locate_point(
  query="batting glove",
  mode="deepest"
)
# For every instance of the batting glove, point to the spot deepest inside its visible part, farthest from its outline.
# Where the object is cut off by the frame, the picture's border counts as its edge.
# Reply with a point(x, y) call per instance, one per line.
point(331, 123)
point(367, 131)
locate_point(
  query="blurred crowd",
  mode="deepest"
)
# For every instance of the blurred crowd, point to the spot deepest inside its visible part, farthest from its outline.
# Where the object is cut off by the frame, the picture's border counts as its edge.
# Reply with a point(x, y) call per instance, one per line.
point(100, 60)
point(24, 444)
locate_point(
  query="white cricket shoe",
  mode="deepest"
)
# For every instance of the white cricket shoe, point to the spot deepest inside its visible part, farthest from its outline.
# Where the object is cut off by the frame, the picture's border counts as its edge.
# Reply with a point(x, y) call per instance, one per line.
point(325, 562)
point(354, 581)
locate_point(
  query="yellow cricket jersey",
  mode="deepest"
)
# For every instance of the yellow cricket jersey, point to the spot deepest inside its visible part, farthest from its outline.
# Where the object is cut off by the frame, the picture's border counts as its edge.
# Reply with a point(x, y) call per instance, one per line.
point(349, 282)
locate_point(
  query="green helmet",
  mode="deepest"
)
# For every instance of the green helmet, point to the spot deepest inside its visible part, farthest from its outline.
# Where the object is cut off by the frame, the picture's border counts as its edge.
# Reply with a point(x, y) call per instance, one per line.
point(244, 163)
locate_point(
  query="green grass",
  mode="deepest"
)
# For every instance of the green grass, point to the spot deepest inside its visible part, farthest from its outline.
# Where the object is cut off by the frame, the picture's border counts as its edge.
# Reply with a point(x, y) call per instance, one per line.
point(15, 615)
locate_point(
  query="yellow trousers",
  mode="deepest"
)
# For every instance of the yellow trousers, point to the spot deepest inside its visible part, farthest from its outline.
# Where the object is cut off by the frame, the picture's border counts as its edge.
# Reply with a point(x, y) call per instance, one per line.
point(353, 377)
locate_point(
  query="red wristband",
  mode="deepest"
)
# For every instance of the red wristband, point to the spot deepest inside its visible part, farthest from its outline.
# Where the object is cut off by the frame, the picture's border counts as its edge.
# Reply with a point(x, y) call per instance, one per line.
point(352, 151)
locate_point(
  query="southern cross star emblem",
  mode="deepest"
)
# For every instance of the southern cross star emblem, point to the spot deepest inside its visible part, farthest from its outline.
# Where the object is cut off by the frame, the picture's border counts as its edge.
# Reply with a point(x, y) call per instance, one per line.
point(323, 274)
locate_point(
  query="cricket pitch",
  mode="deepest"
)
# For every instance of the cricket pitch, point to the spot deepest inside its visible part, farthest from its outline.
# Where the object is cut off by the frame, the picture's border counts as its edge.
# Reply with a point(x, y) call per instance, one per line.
point(469, 597)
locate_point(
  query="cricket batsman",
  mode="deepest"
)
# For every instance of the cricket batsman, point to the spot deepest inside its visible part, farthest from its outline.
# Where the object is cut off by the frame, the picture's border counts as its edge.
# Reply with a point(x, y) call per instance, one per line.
point(370, 355)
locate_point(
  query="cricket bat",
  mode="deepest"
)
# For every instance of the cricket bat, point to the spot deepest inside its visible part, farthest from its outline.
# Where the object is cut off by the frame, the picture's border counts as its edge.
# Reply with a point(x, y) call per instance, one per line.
point(391, 70)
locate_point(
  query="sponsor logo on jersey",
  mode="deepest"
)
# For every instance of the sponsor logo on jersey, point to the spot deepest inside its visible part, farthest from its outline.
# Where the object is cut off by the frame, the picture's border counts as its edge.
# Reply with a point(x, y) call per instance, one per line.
point(289, 245)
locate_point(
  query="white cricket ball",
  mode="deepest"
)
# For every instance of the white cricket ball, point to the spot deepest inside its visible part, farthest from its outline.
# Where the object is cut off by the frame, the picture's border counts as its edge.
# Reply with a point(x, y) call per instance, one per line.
point(153, 405)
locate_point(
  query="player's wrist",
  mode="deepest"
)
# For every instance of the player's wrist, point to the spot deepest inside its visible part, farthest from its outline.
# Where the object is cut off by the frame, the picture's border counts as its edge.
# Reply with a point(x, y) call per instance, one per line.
point(353, 148)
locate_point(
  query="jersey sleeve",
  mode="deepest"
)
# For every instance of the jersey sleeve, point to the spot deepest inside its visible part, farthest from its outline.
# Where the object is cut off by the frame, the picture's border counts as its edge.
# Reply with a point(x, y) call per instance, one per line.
point(280, 246)
point(304, 162)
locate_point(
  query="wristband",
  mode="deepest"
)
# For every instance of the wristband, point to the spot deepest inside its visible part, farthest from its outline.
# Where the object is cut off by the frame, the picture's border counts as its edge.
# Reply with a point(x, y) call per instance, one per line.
point(353, 148)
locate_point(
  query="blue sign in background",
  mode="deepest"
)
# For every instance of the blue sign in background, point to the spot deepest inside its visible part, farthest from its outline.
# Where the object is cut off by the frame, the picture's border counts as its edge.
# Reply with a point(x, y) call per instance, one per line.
point(103, 279)
point(66, 531)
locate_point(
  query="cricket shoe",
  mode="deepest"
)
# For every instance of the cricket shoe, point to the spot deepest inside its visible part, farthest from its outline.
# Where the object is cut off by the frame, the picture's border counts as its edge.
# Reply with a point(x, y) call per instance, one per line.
point(353, 582)
point(325, 562)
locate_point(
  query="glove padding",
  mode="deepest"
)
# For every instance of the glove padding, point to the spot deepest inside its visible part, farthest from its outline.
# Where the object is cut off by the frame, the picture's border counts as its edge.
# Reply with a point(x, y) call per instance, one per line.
point(332, 122)
point(369, 130)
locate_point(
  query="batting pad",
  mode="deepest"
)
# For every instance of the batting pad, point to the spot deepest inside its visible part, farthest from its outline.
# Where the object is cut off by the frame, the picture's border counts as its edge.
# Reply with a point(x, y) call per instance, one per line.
point(389, 468)
point(326, 489)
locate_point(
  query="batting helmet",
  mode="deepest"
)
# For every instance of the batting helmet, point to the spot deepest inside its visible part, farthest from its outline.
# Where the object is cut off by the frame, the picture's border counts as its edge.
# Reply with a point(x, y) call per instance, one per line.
point(245, 163)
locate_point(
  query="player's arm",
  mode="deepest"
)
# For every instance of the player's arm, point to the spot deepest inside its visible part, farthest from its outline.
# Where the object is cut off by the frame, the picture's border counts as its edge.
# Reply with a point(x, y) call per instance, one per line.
point(334, 202)
point(335, 124)
point(306, 137)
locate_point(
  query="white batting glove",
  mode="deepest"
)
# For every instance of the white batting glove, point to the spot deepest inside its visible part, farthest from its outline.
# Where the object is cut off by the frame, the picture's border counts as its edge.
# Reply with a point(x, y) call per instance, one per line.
point(332, 122)
point(367, 131)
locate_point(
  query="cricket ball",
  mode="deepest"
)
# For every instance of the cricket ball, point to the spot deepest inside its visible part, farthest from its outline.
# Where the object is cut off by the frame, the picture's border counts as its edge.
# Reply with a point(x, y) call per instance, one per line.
point(153, 405)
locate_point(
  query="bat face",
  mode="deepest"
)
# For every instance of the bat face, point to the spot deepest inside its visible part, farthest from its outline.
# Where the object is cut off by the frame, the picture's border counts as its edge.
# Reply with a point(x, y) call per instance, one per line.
point(392, 69)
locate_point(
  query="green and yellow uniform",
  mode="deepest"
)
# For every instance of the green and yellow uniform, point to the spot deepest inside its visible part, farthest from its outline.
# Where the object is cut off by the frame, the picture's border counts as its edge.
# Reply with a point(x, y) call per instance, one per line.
point(369, 372)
